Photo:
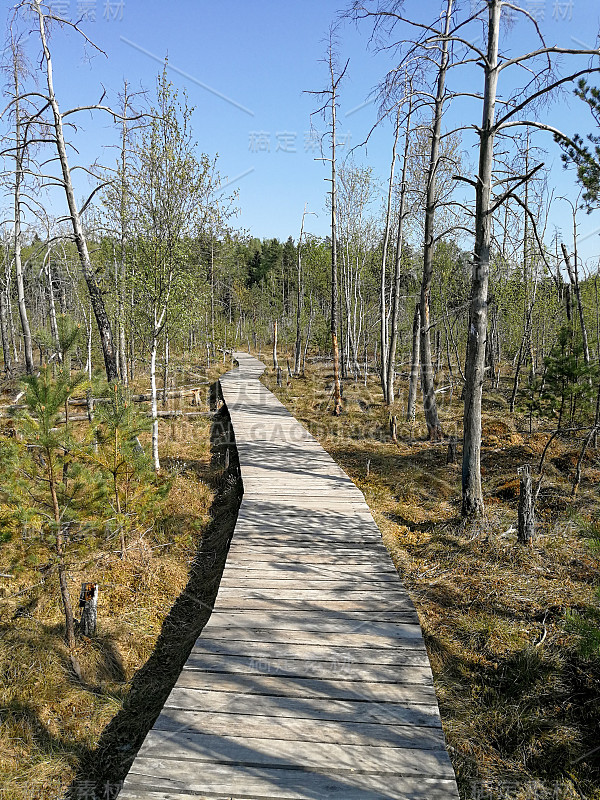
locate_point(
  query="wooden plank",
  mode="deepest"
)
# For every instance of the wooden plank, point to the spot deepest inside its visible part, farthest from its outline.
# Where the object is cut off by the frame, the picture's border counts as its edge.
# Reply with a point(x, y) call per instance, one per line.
point(303, 652)
point(372, 573)
point(261, 752)
point(309, 571)
point(394, 598)
point(319, 619)
point(413, 639)
point(156, 779)
point(387, 631)
point(298, 668)
point(315, 584)
point(245, 601)
point(311, 687)
point(308, 730)
point(308, 562)
point(422, 714)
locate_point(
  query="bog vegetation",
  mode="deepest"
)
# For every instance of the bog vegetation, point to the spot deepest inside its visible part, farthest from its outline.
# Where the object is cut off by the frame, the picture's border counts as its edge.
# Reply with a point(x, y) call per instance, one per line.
point(441, 321)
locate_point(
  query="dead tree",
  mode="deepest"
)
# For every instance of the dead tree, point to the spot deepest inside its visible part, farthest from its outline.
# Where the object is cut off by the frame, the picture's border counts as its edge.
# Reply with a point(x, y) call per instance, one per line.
point(526, 529)
point(414, 368)
point(52, 131)
point(485, 206)
point(299, 297)
point(330, 107)
point(18, 150)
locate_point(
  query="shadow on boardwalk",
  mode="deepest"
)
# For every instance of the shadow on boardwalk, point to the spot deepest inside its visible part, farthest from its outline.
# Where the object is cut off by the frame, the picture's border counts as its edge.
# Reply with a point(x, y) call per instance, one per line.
point(107, 765)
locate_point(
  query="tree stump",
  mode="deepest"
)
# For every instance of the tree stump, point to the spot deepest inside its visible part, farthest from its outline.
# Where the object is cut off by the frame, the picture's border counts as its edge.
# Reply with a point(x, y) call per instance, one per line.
point(279, 378)
point(88, 603)
point(451, 456)
point(526, 530)
point(394, 428)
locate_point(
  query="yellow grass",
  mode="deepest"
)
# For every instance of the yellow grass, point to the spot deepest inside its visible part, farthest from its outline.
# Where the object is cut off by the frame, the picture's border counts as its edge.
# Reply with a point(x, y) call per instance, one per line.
point(520, 706)
point(50, 721)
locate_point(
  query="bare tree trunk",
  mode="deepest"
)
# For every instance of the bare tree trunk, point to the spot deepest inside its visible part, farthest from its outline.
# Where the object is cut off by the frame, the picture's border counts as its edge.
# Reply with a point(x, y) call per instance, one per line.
point(52, 305)
point(415, 366)
point(299, 296)
point(526, 529)
point(393, 343)
point(19, 158)
point(155, 459)
point(383, 315)
point(102, 319)
point(4, 333)
point(308, 332)
point(166, 368)
point(574, 278)
point(89, 344)
point(275, 364)
point(122, 270)
point(429, 402)
point(472, 494)
point(337, 388)
point(62, 572)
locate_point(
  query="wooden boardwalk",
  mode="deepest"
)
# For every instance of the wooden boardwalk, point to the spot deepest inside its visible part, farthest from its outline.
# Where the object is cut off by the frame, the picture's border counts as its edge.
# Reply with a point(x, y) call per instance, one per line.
point(311, 679)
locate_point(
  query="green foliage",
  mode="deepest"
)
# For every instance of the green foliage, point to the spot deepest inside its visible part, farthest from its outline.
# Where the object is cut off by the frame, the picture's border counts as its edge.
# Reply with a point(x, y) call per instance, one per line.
point(266, 259)
point(68, 333)
point(45, 478)
point(131, 488)
point(567, 387)
point(586, 158)
point(586, 624)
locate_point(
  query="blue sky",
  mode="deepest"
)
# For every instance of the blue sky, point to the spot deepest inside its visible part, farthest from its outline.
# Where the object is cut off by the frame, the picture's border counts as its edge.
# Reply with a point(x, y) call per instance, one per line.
point(245, 66)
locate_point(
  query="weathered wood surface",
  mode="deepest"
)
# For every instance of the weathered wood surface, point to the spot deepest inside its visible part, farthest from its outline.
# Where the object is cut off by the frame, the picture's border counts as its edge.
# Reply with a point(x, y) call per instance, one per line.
point(311, 679)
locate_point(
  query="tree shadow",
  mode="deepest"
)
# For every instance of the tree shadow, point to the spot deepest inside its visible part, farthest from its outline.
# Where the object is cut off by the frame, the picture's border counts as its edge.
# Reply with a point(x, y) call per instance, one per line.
point(108, 764)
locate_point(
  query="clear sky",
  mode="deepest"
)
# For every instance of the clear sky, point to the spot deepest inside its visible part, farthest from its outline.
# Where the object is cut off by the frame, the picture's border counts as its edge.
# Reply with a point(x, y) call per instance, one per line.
point(245, 65)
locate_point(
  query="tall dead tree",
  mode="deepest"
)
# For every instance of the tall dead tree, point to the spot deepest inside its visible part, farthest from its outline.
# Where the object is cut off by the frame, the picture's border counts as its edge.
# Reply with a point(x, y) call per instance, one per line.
point(4, 292)
point(383, 313)
point(57, 137)
point(485, 205)
point(299, 297)
point(329, 108)
point(395, 312)
point(19, 151)
point(434, 427)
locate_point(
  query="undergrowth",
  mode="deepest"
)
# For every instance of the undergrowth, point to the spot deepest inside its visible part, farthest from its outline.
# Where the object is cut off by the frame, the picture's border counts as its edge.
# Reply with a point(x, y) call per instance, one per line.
point(55, 727)
point(512, 632)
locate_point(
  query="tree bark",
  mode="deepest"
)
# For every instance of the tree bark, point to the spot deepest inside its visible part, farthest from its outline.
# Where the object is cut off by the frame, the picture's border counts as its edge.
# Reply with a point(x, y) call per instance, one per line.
point(19, 158)
point(415, 366)
point(4, 334)
point(429, 402)
point(383, 316)
point(574, 278)
point(526, 530)
point(393, 343)
point(337, 388)
point(102, 319)
point(472, 494)
point(155, 458)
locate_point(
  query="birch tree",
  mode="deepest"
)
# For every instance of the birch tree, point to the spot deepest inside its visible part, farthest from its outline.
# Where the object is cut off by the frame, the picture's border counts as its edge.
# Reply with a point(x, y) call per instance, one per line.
point(173, 192)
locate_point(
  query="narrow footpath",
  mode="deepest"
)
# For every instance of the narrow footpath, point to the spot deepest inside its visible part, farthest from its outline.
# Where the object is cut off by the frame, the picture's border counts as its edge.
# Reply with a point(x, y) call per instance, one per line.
point(311, 678)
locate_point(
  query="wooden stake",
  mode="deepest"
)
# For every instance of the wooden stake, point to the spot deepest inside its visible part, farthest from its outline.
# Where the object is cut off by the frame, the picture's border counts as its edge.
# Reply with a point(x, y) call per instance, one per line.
point(451, 457)
point(88, 602)
point(526, 530)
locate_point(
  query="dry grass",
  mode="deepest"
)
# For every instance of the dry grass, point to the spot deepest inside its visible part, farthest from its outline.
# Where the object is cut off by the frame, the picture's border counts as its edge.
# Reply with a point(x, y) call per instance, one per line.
point(51, 722)
point(520, 706)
